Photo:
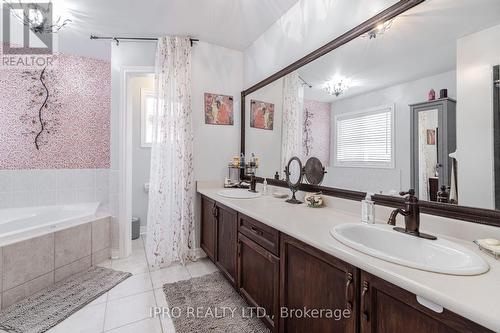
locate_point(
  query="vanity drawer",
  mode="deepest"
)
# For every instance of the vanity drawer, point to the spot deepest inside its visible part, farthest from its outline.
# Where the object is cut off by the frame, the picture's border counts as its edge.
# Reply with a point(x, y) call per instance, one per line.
point(260, 233)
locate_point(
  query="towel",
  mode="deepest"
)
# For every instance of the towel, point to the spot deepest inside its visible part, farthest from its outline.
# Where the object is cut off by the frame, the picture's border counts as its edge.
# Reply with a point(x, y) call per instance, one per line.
point(454, 179)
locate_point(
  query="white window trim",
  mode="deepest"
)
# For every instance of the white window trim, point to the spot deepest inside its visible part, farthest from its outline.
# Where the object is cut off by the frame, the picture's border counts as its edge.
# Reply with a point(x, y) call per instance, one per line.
point(145, 93)
point(369, 165)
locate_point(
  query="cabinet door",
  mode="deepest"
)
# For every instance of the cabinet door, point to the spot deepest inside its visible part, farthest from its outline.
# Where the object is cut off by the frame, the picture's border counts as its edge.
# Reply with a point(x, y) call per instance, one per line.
point(313, 280)
point(386, 308)
point(226, 241)
point(208, 227)
point(258, 273)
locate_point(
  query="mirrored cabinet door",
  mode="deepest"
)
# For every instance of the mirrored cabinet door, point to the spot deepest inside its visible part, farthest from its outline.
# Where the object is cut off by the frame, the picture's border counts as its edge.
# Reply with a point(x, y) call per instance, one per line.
point(433, 132)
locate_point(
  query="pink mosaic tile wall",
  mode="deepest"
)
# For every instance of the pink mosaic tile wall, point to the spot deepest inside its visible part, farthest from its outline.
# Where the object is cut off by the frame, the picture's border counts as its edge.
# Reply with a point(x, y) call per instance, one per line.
point(77, 116)
point(318, 128)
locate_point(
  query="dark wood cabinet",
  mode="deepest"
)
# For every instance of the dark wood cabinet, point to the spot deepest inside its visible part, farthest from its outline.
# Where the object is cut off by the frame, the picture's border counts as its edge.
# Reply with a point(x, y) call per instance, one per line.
point(258, 279)
point(311, 279)
point(386, 308)
point(226, 242)
point(260, 233)
point(290, 279)
point(208, 227)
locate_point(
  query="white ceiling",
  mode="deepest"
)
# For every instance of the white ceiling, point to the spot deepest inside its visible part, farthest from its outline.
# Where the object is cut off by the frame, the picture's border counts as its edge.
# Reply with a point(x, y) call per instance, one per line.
point(233, 24)
point(420, 43)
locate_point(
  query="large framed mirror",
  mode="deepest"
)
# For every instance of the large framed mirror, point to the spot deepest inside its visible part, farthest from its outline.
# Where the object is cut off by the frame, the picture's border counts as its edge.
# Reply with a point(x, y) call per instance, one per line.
point(409, 98)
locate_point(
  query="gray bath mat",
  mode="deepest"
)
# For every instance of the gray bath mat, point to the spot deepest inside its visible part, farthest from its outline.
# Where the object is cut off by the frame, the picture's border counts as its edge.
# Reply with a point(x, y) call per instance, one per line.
point(197, 305)
point(45, 309)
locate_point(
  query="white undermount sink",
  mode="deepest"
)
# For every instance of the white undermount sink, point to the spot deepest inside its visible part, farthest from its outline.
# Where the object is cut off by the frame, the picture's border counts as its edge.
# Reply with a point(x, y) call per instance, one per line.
point(238, 193)
point(440, 256)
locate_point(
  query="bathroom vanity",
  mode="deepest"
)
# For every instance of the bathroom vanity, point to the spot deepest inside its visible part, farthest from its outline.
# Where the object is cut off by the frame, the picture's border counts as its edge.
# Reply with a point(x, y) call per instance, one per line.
point(365, 105)
point(281, 257)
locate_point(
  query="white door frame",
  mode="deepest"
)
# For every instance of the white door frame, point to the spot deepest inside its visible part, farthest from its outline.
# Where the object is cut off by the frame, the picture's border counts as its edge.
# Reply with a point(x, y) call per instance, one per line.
point(125, 159)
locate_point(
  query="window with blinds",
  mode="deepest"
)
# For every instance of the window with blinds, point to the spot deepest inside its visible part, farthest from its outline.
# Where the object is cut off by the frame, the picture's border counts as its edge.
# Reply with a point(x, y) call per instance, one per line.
point(365, 139)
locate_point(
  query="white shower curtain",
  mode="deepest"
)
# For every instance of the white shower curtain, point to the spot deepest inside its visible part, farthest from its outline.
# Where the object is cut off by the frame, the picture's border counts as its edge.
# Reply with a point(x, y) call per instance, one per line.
point(170, 225)
point(293, 116)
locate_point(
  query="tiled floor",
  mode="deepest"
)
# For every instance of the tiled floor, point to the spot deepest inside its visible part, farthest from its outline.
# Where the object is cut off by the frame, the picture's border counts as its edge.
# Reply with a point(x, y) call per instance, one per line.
point(126, 308)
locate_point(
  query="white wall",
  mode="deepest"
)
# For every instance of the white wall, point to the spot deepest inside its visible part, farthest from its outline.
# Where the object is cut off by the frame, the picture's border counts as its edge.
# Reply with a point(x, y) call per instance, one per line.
point(305, 27)
point(266, 144)
point(127, 54)
point(476, 55)
point(401, 95)
point(141, 156)
point(217, 70)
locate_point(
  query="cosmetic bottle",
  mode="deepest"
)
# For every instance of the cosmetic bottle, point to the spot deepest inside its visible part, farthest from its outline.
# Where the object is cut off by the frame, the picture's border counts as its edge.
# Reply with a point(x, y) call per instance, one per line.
point(368, 209)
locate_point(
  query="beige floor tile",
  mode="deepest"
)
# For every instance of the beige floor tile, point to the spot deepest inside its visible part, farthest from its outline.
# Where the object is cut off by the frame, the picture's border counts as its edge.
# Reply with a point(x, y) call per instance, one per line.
point(173, 273)
point(168, 325)
point(137, 244)
point(135, 284)
point(150, 325)
point(201, 267)
point(128, 310)
point(161, 300)
point(90, 319)
point(101, 299)
point(135, 264)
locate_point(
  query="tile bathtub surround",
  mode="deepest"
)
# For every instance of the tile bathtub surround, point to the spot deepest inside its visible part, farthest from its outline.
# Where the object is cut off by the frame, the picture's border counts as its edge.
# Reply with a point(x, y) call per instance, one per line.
point(73, 244)
point(24, 188)
point(27, 260)
point(37, 263)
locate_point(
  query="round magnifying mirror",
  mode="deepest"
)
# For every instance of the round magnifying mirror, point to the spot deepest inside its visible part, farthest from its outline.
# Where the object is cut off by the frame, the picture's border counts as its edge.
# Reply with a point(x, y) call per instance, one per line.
point(314, 171)
point(294, 174)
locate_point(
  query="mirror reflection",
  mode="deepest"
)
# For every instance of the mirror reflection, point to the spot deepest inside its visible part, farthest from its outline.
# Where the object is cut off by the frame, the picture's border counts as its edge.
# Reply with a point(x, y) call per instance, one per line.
point(294, 168)
point(411, 104)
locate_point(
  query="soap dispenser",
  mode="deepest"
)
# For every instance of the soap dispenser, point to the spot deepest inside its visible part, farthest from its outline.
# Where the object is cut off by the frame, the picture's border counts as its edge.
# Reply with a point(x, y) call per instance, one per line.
point(264, 187)
point(368, 209)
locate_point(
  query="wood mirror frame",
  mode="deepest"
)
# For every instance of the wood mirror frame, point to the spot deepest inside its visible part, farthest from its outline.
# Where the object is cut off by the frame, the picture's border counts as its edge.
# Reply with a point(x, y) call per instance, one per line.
point(464, 213)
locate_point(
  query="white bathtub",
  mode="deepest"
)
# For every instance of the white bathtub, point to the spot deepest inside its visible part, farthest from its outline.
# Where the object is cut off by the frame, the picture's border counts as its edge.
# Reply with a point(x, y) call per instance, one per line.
point(18, 224)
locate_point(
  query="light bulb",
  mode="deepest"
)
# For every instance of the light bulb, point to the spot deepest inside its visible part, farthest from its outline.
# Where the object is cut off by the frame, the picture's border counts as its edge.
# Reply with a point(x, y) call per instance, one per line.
point(35, 17)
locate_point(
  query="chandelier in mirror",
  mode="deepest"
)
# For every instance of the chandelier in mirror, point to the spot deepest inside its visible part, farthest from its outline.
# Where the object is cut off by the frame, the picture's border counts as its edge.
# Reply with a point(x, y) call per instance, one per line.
point(336, 88)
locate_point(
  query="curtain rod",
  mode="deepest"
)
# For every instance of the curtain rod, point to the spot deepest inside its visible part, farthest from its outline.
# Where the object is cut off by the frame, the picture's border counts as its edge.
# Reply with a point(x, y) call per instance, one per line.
point(117, 39)
point(304, 82)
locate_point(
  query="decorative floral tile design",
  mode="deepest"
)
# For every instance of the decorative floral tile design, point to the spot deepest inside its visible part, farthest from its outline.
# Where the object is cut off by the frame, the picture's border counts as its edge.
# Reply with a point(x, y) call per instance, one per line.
point(81, 138)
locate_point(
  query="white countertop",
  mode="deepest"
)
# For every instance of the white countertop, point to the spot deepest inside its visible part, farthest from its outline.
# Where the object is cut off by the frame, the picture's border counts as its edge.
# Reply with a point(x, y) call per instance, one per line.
point(474, 297)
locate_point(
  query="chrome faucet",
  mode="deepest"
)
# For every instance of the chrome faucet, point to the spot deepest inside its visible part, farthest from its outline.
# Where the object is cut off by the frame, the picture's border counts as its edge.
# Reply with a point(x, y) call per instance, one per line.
point(411, 214)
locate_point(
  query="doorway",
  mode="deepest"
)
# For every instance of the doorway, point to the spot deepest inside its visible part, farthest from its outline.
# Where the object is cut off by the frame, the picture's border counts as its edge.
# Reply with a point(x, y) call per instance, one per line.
point(134, 154)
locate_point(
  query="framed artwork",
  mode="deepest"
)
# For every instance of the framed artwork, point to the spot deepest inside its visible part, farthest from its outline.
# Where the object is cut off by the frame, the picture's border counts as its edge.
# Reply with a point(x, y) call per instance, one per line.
point(218, 109)
point(431, 137)
point(261, 115)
